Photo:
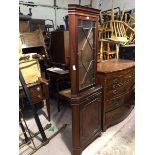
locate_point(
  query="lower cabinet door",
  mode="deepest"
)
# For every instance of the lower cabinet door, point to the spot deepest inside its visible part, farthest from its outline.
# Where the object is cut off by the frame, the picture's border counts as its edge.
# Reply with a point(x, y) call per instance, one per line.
point(86, 119)
point(90, 120)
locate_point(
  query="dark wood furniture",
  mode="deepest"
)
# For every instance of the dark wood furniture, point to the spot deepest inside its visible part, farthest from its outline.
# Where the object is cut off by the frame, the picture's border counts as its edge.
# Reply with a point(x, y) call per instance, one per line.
point(59, 47)
point(117, 78)
point(58, 80)
point(86, 96)
point(39, 92)
point(65, 94)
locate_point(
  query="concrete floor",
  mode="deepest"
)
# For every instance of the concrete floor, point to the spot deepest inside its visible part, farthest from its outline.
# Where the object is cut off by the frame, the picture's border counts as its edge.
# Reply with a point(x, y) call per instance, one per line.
point(117, 140)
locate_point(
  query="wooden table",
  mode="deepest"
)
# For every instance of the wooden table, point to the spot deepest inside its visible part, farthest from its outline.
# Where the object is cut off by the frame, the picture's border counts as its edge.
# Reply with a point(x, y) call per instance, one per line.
point(57, 76)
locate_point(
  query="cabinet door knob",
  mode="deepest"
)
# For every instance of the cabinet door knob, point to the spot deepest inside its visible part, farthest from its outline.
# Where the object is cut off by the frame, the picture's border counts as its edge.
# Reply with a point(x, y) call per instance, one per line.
point(38, 88)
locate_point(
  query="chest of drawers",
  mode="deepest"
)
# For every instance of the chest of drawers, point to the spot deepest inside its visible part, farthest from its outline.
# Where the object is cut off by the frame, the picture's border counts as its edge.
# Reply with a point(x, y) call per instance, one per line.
point(117, 78)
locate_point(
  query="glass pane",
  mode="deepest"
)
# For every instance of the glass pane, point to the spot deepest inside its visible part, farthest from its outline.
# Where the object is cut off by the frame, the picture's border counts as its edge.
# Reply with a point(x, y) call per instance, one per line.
point(86, 53)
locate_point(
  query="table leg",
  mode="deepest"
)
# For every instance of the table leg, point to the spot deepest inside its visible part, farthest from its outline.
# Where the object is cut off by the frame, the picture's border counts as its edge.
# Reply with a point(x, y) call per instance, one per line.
point(57, 97)
point(48, 106)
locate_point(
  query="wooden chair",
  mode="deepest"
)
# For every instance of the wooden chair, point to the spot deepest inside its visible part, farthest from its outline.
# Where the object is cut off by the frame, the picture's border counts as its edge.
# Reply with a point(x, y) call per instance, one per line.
point(64, 95)
point(108, 49)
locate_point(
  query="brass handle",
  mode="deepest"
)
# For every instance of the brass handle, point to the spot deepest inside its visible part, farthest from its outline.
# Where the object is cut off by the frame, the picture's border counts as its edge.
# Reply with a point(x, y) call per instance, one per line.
point(114, 92)
point(121, 84)
point(117, 85)
point(115, 103)
point(115, 81)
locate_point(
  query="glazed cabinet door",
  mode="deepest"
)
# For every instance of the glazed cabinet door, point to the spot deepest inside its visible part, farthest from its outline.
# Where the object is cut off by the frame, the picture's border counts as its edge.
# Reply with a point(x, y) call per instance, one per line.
point(86, 53)
point(86, 119)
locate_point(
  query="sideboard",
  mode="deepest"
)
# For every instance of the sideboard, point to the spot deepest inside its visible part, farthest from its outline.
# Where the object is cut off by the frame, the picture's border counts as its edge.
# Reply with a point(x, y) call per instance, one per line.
point(117, 77)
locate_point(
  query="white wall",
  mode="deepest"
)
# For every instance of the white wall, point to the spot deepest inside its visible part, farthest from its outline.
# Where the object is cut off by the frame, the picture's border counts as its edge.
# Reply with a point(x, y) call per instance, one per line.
point(107, 4)
point(49, 13)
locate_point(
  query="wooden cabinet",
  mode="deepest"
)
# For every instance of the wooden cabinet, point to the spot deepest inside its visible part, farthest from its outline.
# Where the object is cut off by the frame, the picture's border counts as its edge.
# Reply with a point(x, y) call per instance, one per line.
point(86, 118)
point(86, 96)
point(38, 92)
point(117, 79)
point(59, 49)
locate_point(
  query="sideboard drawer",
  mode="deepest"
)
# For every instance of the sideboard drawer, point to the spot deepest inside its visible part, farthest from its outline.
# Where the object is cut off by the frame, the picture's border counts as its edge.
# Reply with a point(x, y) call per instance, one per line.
point(117, 115)
point(118, 89)
point(91, 98)
point(114, 80)
point(36, 93)
point(129, 75)
point(114, 93)
point(117, 78)
point(113, 104)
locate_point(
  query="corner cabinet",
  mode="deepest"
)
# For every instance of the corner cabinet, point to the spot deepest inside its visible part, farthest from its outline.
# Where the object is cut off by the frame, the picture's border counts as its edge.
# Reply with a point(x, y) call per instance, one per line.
point(86, 96)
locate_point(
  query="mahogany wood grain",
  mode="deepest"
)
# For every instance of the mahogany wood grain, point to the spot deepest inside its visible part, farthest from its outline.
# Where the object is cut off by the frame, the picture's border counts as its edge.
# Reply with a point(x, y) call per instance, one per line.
point(118, 79)
point(85, 101)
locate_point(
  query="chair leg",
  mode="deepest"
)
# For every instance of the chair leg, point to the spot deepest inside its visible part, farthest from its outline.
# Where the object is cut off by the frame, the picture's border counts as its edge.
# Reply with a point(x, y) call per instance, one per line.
point(58, 106)
point(48, 109)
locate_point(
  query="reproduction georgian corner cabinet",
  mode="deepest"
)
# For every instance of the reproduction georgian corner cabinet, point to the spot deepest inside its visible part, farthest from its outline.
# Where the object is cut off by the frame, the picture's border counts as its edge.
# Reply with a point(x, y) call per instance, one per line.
point(86, 96)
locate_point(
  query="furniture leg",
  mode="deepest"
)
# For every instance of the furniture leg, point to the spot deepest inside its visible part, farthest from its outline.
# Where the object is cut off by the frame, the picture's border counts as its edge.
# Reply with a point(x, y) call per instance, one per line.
point(48, 106)
point(36, 117)
point(117, 51)
point(57, 97)
point(23, 129)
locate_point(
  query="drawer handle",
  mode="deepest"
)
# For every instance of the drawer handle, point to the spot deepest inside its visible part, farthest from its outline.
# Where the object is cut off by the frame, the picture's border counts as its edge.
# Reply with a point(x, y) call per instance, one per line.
point(121, 84)
point(115, 80)
point(91, 97)
point(117, 85)
point(114, 92)
point(116, 103)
